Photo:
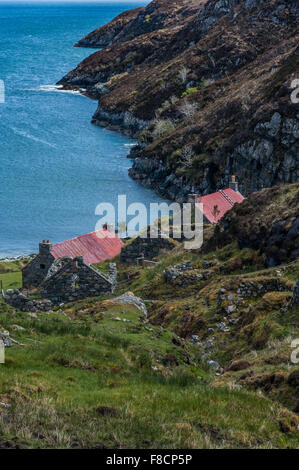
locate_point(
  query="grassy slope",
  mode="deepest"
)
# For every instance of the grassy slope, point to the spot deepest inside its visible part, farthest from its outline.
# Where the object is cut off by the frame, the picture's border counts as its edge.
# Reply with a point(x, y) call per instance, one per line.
point(262, 334)
point(142, 383)
point(78, 361)
point(10, 274)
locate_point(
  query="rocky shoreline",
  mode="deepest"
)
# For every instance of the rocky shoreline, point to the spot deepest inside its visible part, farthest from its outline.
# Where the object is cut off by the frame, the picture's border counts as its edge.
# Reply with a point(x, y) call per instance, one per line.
point(13, 259)
point(125, 123)
point(201, 109)
point(154, 175)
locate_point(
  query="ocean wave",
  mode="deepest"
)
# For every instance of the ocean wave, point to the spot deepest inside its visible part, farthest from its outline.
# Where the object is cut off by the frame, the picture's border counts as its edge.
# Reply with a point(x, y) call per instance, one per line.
point(31, 137)
point(58, 88)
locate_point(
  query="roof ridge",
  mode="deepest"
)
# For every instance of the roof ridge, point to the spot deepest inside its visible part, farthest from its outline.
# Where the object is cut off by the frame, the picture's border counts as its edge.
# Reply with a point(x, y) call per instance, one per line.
point(226, 196)
point(79, 236)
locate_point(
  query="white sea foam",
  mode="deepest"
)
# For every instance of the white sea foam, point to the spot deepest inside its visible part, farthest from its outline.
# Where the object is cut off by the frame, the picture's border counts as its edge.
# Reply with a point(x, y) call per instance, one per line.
point(31, 137)
point(55, 88)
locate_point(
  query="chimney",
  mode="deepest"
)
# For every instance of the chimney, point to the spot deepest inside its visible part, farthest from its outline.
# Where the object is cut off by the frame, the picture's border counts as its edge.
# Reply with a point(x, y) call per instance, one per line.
point(234, 184)
point(193, 198)
point(45, 248)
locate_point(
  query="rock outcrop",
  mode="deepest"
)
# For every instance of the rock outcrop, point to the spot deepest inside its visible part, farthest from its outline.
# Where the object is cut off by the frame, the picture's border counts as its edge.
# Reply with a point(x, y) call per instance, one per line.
point(209, 88)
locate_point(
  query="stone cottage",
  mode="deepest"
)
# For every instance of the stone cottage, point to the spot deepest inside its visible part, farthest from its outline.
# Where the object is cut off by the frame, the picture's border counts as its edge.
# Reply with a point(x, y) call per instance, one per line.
point(94, 247)
point(72, 279)
point(145, 247)
point(216, 205)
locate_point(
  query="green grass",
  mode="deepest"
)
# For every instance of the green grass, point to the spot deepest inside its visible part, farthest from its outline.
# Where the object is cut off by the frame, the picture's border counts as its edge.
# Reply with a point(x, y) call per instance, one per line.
point(11, 280)
point(86, 379)
point(68, 370)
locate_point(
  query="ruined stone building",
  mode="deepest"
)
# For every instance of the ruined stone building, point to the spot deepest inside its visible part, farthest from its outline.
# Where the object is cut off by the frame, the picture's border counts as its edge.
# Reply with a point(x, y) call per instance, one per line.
point(66, 279)
point(94, 247)
point(74, 280)
point(216, 205)
point(143, 246)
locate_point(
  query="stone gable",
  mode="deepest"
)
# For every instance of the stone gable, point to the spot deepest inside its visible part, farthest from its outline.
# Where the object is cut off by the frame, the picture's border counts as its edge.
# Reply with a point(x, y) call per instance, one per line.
point(76, 280)
point(37, 270)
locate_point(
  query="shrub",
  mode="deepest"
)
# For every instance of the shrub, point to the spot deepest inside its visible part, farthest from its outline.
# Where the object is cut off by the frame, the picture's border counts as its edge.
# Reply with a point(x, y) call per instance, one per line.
point(183, 74)
point(162, 127)
point(187, 155)
point(188, 109)
point(189, 92)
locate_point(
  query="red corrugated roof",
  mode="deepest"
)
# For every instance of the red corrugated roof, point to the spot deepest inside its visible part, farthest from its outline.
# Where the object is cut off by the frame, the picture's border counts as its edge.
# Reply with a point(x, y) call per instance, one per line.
point(94, 247)
point(217, 204)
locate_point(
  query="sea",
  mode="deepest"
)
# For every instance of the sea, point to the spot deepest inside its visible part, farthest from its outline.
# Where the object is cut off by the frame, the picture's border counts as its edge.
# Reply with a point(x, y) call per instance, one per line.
point(55, 166)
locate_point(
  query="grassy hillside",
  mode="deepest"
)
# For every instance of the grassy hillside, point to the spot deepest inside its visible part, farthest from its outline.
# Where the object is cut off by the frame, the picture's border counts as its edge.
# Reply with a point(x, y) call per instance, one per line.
point(132, 385)
point(210, 366)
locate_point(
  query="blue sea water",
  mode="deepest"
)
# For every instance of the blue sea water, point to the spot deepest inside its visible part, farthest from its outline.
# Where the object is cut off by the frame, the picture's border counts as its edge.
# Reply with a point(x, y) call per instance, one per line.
point(55, 167)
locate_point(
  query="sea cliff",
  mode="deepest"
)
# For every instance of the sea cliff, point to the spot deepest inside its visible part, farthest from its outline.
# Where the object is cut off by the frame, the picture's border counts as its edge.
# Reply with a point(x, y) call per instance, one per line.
point(205, 86)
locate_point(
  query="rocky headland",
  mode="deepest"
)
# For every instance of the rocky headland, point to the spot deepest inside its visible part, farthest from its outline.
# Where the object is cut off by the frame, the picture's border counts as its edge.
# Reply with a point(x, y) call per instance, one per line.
point(206, 87)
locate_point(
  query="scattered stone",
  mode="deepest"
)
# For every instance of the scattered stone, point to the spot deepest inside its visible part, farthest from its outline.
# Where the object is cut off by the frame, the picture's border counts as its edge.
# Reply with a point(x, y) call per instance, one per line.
point(6, 405)
point(32, 314)
point(222, 327)
point(205, 355)
point(195, 340)
point(214, 365)
point(18, 300)
point(206, 265)
point(18, 328)
point(209, 344)
point(231, 309)
point(130, 299)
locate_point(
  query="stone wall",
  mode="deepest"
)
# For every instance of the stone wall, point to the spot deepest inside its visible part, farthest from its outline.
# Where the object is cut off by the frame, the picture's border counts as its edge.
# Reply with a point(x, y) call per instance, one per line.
point(113, 274)
point(35, 272)
point(76, 280)
point(260, 288)
point(148, 248)
point(182, 275)
point(16, 299)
